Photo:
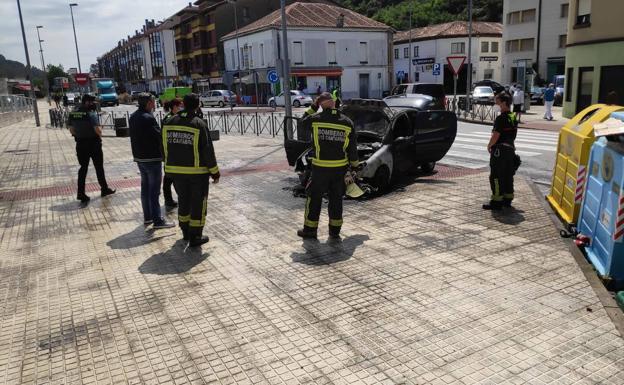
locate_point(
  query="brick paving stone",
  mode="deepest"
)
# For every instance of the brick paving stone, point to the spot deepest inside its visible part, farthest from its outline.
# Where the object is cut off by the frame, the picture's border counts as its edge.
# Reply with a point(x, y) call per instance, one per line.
point(424, 288)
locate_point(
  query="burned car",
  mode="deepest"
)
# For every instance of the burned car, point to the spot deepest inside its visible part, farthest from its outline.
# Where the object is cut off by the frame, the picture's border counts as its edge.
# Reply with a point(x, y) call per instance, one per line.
point(392, 141)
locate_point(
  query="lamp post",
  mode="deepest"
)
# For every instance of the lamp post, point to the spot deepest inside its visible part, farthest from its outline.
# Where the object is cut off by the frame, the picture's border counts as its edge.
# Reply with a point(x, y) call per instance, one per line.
point(71, 10)
point(286, 70)
point(409, 54)
point(43, 67)
point(28, 68)
point(469, 75)
point(238, 67)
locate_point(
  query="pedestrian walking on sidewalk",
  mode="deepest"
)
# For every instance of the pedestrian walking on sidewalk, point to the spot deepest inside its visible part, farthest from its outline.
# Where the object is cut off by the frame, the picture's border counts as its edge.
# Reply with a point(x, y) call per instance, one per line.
point(335, 148)
point(518, 102)
point(503, 160)
point(84, 125)
point(172, 107)
point(146, 145)
point(190, 160)
point(549, 100)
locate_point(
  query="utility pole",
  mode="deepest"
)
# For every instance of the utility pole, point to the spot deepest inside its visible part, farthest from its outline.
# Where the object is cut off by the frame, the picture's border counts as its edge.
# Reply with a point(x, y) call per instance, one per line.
point(71, 10)
point(238, 66)
point(409, 54)
point(469, 77)
point(28, 68)
point(43, 67)
point(286, 70)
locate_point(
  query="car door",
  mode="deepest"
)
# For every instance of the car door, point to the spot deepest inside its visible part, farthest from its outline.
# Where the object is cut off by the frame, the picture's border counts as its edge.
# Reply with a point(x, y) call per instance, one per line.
point(296, 141)
point(279, 99)
point(434, 134)
point(214, 98)
point(402, 143)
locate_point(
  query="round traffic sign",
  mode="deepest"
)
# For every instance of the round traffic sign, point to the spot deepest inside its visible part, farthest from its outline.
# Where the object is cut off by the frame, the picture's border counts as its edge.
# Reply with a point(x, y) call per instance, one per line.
point(272, 76)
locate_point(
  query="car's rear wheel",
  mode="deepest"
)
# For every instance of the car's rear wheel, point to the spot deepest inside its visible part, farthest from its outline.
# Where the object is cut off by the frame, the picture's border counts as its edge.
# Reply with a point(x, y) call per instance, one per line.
point(221, 104)
point(381, 180)
point(296, 104)
point(428, 167)
point(272, 104)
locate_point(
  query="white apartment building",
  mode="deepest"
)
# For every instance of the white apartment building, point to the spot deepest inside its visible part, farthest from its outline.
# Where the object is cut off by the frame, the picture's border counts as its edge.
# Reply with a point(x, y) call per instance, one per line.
point(328, 47)
point(433, 44)
point(534, 38)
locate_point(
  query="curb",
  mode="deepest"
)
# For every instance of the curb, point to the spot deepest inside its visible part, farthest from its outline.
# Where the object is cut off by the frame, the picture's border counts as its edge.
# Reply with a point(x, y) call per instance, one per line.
point(608, 302)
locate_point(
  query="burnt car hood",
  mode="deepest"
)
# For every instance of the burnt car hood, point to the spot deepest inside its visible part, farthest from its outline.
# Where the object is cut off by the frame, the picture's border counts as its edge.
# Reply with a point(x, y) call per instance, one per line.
point(370, 117)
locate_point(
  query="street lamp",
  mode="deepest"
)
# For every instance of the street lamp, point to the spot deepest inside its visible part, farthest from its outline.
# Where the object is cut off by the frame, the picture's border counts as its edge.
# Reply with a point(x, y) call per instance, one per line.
point(28, 68)
point(71, 10)
point(43, 67)
point(238, 68)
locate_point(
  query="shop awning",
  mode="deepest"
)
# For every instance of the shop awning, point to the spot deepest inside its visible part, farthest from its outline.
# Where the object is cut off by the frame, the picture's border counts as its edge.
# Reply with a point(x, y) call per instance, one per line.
point(330, 71)
point(249, 78)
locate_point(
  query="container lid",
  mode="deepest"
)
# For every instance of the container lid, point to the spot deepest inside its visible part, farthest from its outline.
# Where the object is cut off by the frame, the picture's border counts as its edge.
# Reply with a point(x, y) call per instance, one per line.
point(611, 126)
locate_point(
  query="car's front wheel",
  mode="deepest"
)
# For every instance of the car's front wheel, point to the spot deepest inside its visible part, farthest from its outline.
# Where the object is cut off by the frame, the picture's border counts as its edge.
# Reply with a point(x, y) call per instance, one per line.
point(272, 104)
point(428, 167)
point(381, 180)
point(296, 104)
point(221, 104)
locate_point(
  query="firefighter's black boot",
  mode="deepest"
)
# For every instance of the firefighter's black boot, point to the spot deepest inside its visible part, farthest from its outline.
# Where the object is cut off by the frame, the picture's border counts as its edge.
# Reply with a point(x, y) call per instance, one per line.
point(198, 240)
point(307, 232)
point(493, 205)
point(507, 202)
point(334, 232)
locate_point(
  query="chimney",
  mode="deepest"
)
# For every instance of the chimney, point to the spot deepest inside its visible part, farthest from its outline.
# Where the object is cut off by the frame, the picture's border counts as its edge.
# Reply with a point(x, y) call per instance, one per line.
point(340, 21)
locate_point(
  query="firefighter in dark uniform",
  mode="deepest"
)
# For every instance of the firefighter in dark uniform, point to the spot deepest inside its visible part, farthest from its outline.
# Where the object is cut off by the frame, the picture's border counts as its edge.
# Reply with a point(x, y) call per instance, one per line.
point(190, 161)
point(172, 107)
point(334, 148)
point(502, 151)
point(84, 125)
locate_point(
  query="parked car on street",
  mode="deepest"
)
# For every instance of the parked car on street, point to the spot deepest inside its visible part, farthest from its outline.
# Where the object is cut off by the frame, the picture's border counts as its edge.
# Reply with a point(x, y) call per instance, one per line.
point(392, 141)
point(482, 95)
point(537, 95)
point(559, 82)
point(72, 98)
point(219, 98)
point(497, 87)
point(432, 89)
point(297, 98)
point(418, 101)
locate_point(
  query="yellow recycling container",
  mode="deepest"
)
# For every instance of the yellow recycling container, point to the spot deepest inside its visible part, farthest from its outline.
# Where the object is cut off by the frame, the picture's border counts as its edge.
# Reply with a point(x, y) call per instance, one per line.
point(570, 172)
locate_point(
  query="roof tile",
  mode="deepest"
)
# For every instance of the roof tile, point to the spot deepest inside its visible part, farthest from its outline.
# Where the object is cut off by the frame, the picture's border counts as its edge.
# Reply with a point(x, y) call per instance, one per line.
point(452, 29)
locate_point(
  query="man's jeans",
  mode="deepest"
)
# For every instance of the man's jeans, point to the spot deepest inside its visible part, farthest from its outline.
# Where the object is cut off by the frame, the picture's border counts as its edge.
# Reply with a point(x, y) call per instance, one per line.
point(151, 177)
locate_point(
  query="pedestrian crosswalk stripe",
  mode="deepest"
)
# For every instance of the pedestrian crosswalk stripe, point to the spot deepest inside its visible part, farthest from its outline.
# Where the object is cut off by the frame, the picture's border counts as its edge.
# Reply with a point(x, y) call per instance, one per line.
point(518, 138)
point(519, 144)
point(479, 147)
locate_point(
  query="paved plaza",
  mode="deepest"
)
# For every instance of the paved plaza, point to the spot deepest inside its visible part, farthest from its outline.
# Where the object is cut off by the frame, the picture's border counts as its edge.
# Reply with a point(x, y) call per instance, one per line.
point(425, 287)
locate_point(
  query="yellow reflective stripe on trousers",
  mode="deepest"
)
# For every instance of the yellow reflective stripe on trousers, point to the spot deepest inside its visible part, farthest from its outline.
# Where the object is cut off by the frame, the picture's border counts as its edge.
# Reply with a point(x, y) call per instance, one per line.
point(496, 196)
point(195, 223)
point(306, 221)
point(186, 170)
point(330, 163)
point(184, 218)
point(335, 222)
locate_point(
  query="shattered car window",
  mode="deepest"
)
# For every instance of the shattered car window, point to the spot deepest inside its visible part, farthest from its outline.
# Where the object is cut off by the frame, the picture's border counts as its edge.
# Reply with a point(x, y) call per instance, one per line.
point(371, 121)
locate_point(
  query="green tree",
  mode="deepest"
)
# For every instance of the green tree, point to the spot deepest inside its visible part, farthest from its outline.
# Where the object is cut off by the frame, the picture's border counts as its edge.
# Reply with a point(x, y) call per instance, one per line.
point(55, 72)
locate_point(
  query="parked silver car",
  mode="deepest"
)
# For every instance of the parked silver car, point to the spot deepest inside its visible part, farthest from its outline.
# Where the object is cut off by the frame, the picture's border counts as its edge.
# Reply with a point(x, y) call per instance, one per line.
point(297, 98)
point(483, 95)
point(220, 98)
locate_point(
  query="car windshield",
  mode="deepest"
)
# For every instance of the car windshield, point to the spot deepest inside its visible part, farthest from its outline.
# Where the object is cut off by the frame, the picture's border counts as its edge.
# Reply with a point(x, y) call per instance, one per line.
point(420, 103)
point(372, 121)
point(110, 90)
point(400, 89)
point(483, 91)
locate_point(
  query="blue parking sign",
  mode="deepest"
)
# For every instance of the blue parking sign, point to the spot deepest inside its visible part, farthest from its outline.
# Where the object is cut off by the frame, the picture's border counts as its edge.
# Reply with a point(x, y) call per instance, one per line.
point(436, 69)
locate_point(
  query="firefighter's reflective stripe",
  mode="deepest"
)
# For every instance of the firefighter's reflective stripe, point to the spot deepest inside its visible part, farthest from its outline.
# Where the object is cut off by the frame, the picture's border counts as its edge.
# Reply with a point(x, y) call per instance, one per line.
point(310, 111)
point(184, 218)
point(497, 195)
point(335, 222)
point(329, 163)
point(186, 170)
point(308, 222)
point(213, 170)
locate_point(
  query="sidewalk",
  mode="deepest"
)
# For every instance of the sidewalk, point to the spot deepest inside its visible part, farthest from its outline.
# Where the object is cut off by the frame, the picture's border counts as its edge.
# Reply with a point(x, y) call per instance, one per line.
point(425, 288)
point(534, 119)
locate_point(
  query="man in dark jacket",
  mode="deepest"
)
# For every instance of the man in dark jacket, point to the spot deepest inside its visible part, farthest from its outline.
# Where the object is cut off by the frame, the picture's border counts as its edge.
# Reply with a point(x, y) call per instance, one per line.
point(335, 148)
point(84, 125)
point(190, 160)
point(146, 149)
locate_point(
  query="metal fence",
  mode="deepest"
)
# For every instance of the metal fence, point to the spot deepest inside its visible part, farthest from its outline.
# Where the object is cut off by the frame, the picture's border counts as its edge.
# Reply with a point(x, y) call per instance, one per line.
point(479, 112)
point(14, 108)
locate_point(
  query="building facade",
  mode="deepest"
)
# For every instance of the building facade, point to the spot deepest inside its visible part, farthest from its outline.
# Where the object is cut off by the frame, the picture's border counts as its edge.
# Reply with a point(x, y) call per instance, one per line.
point(424, 59)
point(328, 46)
point(144, 61)
point(594, 54)
point(534, 39)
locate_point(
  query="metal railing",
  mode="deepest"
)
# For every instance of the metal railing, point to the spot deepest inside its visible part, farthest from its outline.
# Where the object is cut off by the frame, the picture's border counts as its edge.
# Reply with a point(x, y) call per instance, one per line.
point(15, 108)
point(480, 112)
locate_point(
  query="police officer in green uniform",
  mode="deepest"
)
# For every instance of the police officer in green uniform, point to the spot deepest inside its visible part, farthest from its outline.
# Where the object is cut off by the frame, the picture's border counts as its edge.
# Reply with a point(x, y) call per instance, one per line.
point(190, 161)
point(336, 97)
point(334, 146)
point(502, 155)
point(84, 125)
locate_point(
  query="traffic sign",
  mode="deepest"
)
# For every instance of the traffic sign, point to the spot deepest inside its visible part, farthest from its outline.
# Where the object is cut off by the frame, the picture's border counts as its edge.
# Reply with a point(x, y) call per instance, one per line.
point(272, 76)
point(400, 74)
point(456, 63)
point(436, 69)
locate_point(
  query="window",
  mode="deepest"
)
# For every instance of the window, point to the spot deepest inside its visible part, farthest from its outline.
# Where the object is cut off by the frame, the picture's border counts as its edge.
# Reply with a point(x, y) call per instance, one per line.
point(416, 76)
point(562, 40)
point(396, 53)
point(568, 84)
point(564, 10)
point(262, 55)
point(233, 59)
point(518, 17)
point(331, 52)
point(488, 74)
point(583, 12)
point(298, 52)
point(494, 46)
point(246, 12)
point(363, 52)
point(485, 46)
point(416, 51)
point(458, 47)
point(520, 45)
point(406, 52)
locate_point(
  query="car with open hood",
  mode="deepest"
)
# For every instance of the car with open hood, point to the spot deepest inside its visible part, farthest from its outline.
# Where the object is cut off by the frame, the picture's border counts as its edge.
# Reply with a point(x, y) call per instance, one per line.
point(392, 141)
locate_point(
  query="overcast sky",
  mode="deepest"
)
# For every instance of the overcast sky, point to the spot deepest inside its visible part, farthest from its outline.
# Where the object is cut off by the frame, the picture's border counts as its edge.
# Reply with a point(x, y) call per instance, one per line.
point(99, 25)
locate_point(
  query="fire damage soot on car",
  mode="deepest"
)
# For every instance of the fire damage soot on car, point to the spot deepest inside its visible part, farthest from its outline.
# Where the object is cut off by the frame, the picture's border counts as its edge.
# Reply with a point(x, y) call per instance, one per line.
point(395, 138)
